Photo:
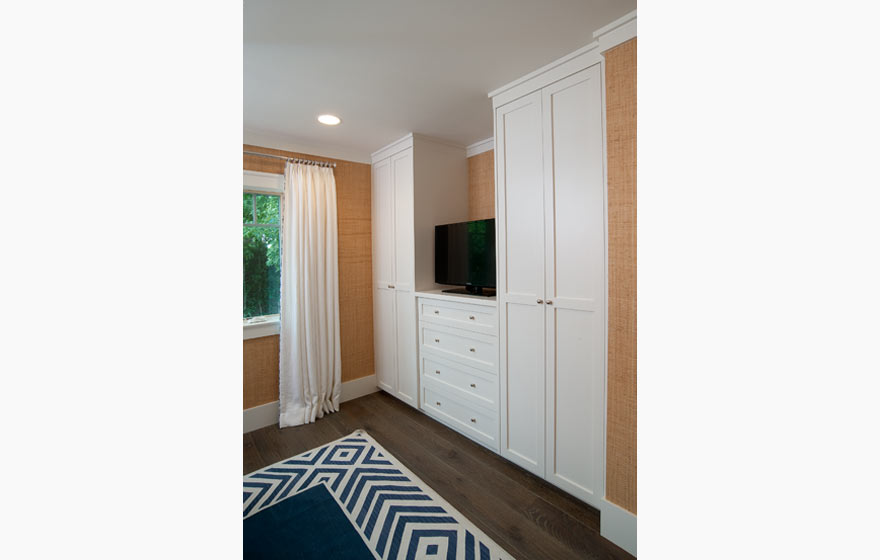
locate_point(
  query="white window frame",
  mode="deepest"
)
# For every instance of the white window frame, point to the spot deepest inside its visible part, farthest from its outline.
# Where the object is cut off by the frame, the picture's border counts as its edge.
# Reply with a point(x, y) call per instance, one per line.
point(262, 183)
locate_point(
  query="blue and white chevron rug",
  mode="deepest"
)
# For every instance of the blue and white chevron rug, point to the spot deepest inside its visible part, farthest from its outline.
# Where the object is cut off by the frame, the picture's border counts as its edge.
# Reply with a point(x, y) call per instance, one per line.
point(394, 512)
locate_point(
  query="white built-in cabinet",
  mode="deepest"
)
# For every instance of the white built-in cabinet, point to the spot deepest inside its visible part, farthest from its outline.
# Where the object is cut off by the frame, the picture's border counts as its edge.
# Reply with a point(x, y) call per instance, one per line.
point(417, 183)
point(550, 214)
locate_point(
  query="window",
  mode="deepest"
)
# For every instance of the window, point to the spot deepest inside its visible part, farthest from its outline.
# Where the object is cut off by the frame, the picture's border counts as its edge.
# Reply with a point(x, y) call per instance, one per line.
point(262, 254)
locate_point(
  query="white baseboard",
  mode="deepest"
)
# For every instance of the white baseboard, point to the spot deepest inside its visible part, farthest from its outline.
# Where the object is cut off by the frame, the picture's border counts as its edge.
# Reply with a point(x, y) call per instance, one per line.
point(261, 416)
point(618, 526)
point(359, 387)
point(267, 414)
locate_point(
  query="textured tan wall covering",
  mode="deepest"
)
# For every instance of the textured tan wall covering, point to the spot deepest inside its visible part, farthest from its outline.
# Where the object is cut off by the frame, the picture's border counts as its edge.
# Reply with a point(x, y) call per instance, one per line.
point(355, 270)
point(260, 371)
point(481, 186)
point(620, 95)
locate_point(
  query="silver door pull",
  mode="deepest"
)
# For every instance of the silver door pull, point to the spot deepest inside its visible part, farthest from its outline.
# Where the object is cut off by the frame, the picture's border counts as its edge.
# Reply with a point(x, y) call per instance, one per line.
point(540, 301)
point(436, 312)
point(474, 420)
point(391, 286)
point(474, 385)
point(549, 302)
point(473, 349)
point(471, 317)
point(437, 371)
point(436, 340)
point(438, 403)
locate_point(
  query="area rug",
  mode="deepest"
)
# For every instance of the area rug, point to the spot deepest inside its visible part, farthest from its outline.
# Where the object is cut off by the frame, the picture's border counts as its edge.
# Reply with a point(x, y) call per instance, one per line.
point(395, 514)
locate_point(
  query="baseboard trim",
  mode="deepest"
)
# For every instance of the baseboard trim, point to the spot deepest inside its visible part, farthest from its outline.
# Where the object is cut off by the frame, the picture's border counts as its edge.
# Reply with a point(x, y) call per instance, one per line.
point(267, 414)
point(618, 526)
point(359, 387)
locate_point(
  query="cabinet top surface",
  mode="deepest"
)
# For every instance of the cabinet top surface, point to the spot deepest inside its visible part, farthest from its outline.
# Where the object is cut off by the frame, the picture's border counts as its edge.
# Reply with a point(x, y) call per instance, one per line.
point(459, 298)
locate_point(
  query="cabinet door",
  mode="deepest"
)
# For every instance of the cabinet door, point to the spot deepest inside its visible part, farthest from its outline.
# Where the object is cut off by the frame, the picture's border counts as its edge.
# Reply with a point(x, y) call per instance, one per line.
point(404, 220)
point(520, 223)
point(384, 339)
point(575, 282)
point(384, 329)
point(407, 347)
point(382, 206)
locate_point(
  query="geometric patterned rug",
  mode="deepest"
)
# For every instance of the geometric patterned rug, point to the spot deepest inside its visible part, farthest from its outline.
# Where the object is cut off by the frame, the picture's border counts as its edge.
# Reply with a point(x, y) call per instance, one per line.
point(396, 514)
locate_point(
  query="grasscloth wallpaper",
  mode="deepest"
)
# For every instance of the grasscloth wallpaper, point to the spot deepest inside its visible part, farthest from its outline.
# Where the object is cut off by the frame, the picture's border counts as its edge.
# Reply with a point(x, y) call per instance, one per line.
point(620, 95)
point(355, 278)
point(481, 186)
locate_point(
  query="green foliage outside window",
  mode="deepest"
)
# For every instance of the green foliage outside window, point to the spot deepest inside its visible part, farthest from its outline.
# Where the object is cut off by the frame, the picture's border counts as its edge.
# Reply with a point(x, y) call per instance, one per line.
point(261, 247)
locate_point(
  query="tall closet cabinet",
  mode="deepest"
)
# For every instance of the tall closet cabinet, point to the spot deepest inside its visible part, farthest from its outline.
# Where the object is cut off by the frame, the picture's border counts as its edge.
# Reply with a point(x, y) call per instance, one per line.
point(417, 183)
point(551, 239)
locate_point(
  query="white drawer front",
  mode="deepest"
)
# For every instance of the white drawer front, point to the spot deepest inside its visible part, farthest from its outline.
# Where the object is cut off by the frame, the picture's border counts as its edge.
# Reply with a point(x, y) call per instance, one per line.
point(470, 349)
point(475, 423)
point(474, 317)
point(460, 378)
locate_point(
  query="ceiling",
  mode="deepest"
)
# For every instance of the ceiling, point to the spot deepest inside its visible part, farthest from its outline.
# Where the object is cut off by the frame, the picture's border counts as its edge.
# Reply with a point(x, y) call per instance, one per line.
point(390, 67)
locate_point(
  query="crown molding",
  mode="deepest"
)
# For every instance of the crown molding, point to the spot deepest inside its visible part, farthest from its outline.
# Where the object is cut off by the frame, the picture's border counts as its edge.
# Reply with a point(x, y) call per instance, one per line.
point(481, 146)
point(618, 31)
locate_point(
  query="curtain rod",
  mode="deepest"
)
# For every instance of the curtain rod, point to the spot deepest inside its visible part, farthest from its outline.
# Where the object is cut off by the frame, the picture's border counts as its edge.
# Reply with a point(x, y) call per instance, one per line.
point(294, 160)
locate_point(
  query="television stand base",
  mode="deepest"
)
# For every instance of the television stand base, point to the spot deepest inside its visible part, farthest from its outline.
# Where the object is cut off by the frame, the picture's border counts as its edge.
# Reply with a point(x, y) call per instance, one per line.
point(472, 291)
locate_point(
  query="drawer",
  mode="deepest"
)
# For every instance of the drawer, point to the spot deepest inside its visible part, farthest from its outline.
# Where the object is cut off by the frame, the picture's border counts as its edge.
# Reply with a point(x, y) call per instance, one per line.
point(482, 388)
point(470, 421)
point(479, 318)
point(471, 349)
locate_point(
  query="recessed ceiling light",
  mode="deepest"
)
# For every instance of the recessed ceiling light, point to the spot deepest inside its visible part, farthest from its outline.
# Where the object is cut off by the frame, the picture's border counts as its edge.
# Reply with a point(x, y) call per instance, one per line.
point(331, 120)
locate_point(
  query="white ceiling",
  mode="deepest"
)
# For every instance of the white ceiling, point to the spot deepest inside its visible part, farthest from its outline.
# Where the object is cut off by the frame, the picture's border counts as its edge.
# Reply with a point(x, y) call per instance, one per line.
point(390, 67)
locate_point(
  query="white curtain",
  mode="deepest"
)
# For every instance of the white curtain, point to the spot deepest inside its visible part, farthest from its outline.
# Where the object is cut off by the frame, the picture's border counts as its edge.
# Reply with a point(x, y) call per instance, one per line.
point(311, 368)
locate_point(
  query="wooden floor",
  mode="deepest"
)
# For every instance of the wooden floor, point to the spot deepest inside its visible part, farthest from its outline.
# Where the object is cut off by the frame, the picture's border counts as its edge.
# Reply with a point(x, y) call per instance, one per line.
point(522, 513)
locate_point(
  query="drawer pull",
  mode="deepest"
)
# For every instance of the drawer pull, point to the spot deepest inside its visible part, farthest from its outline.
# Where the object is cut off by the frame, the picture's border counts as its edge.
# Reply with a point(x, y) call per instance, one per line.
point(473, 349)
point(391, 286)
point(438, 403)
point(471, 317)
point(474, 420)
point(437, 371)
point(436, 340)
point(436, 312)
point(474, 385)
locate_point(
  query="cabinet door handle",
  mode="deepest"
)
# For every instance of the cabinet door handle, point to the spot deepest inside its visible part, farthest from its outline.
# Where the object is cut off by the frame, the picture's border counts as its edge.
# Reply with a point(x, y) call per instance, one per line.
point(540, 301)
point(549, 302)
point(391, 286)
point(438, 403)
point(473, 349)
point(471, 317)
point(474, 420)
point(474, 385)
point(436, 340)
point(437, 371)
point(436, 312)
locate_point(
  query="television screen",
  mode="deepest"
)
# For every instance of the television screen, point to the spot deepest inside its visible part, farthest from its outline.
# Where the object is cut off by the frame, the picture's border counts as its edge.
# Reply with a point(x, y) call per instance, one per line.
point(464, 254)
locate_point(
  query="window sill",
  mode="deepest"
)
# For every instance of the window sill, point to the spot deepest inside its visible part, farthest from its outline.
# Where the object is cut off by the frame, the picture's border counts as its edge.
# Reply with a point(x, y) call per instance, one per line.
point(270, 326)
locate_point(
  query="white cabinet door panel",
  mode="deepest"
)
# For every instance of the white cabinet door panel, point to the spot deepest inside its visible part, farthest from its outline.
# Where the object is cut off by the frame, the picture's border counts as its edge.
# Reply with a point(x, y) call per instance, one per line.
point(383, 225)
point(575, 282)
point(404, 225)
point(522, 394)
point(384, 334)
point(407, 357)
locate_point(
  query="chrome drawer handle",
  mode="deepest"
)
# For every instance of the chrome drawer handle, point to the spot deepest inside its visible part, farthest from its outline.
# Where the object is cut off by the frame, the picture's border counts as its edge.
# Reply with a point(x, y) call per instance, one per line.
point(474, 420)
point(471, 317)
point(474, 385)
point(436, 340)
point(473, 349)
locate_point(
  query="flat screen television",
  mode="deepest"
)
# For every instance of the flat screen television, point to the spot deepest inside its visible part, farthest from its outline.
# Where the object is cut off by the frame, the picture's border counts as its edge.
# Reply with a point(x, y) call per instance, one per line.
point(464, 255)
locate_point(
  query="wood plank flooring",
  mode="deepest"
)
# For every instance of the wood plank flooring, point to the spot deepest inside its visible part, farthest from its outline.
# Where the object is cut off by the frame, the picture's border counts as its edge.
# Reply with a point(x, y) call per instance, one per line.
point(522, 513)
